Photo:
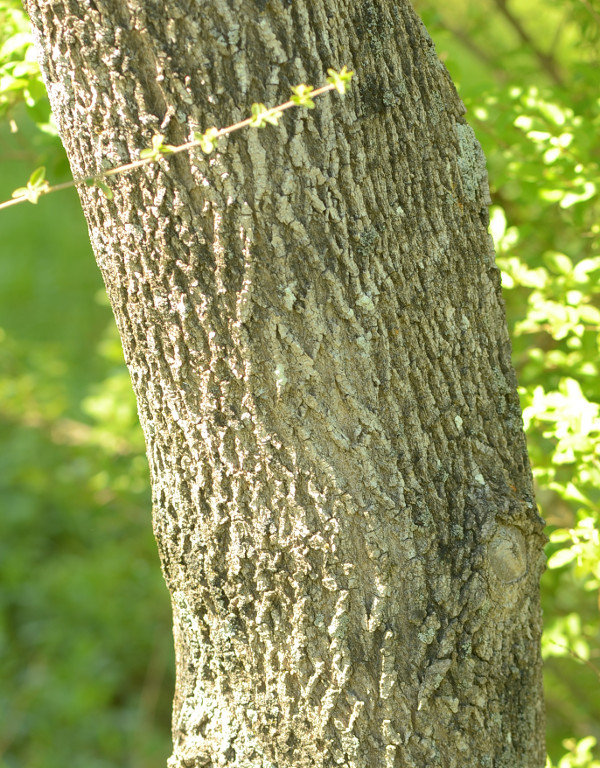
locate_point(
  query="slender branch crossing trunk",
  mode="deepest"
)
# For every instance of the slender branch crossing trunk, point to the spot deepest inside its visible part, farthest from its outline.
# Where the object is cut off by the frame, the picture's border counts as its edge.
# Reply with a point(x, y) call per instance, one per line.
point(314, 328)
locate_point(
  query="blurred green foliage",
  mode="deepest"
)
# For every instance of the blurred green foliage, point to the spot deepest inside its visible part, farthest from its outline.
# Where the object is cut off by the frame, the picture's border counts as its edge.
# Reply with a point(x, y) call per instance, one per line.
point(85, 646)
point(86, 659)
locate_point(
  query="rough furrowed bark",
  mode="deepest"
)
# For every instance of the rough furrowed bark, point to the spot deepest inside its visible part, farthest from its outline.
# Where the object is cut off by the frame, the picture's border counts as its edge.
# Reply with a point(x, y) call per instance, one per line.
point(314, 328)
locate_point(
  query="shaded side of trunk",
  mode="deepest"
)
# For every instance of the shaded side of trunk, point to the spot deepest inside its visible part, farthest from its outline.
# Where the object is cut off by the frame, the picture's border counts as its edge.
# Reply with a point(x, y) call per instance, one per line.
point(315, 333)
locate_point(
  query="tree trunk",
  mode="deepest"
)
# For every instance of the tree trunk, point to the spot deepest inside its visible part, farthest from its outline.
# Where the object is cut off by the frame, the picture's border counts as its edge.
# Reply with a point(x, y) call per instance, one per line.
point(314, 327)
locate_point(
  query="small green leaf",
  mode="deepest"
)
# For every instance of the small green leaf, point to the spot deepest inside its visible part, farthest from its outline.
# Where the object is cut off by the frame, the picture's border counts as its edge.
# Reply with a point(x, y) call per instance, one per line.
point(273, 116)
point(559, 263)
point(25, 69)
point(560, 536)
point(301, 96)
point(36, 186)
point(37, 177)
point(562, 557)
point(207, 140)
point(257, 115)
point(588, 191)
point(341, 80)
point(102, 186)
point(105, 189)
point(158, 148)
point(15, 43)
point(157, 142)
point(30, 193)
point(584, 267)
point(261, 116)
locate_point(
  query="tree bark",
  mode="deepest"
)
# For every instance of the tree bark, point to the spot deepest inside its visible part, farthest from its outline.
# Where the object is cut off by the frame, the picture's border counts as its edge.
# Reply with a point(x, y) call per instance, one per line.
point(314, 327)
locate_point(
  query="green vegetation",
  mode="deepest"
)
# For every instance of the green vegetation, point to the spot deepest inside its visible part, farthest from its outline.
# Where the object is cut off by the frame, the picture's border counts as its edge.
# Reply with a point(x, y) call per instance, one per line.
point(85, 645)
point(86, 659)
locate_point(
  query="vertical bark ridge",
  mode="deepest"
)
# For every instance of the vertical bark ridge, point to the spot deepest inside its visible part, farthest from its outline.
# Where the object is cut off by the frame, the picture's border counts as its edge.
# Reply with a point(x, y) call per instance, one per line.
point(314, 328)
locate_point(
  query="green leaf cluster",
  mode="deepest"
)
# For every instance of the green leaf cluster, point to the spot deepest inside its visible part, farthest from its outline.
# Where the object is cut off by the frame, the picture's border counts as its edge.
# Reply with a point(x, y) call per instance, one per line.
point(20, 77)
point(340, 80)
point(579, 754)
point(158, 149)
point(36, 186)
point(261, 116)
point(301, 95)
point(207, 140)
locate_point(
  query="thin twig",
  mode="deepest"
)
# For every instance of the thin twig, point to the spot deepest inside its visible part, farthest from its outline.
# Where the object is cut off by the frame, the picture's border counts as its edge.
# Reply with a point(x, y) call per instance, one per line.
point(547, 62)
point(586, 4)
point(465, 39)
point(171, 151)
point(577, 657)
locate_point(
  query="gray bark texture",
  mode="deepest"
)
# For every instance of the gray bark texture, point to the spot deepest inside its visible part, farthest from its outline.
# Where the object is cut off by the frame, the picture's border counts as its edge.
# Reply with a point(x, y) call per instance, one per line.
point(314, 327)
